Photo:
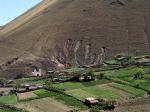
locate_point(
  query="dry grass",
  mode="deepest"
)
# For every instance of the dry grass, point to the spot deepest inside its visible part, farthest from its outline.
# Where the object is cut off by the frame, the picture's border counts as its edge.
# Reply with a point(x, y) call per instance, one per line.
point(5, 89)
point(26, 95)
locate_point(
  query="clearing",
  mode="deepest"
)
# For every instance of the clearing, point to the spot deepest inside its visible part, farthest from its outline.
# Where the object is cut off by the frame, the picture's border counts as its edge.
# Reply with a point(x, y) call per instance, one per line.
point(27, 95)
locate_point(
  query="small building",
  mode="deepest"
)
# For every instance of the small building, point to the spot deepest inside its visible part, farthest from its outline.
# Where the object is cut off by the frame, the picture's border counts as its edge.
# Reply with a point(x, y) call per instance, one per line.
point(31, 87)
point(91, 101)
point(36, 71)
point(85, 78)
point(50, 72)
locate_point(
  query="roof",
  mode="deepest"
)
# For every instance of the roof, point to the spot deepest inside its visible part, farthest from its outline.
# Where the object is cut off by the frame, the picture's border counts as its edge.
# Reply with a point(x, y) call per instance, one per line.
point(91, 100)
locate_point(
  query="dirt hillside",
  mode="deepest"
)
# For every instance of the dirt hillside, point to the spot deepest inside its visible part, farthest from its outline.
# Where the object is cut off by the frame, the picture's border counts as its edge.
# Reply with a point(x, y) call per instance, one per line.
point(77, 32)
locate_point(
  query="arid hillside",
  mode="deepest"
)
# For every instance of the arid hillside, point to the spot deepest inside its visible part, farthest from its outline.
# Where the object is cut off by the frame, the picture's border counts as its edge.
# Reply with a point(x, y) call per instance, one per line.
point(79, 32)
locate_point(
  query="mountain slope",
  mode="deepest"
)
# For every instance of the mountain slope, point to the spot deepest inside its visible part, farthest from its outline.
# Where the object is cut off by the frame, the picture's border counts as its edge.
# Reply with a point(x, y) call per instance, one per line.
point(77, 31)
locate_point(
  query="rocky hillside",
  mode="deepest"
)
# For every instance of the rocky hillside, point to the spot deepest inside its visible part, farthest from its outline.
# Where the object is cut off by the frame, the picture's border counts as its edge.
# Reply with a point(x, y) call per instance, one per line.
point(78, 32)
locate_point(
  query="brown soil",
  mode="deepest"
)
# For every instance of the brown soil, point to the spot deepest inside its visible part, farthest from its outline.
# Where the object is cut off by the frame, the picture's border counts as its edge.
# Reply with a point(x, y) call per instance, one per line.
point(26, 95)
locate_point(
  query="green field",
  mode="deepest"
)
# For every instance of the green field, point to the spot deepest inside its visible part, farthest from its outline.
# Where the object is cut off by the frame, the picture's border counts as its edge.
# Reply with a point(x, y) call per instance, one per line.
point(145, 84)
point(95, 92)
point(102, 93)
point(135, 92)
point(68, 100)
point(80, 94)
point(76, 85)
point(11, 99)
point(121, 73)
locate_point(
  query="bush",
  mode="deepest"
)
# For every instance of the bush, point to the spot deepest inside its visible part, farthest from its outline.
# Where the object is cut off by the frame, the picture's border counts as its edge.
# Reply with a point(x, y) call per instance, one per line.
point(108, 105)
point(95, 109)
point(138, 74)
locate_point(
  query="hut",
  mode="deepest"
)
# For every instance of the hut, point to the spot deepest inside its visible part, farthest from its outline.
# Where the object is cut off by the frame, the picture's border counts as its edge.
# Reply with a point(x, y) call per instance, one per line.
point(91, 101)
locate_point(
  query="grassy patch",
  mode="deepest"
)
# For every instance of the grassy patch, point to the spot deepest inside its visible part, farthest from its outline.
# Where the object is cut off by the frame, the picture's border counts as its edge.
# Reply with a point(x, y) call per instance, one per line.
point(80, 94)
point(69, 85)
point(95, 92)
point(102, 93)
point(145, 84)
point(11, 99)
point(125, 72)
point(76, 85)
point(135, 92)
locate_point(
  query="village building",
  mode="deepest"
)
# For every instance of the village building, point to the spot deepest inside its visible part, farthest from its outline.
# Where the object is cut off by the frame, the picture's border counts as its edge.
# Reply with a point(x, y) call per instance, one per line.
point(91, 101)
point(36, 71)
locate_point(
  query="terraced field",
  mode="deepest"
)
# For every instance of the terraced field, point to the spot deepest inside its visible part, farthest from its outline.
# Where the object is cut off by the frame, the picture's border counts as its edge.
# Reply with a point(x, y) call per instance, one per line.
point(44, 105)
point(118, 85)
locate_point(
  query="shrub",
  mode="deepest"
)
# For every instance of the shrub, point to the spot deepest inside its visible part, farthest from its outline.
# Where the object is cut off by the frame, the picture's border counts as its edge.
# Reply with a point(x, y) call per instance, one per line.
point(95, 109)
point(106, 104)
point(138, 74)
